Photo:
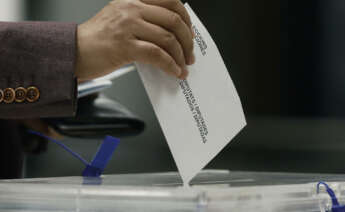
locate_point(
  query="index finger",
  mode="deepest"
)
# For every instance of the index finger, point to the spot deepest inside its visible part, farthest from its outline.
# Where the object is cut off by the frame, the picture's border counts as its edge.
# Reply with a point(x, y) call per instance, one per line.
point(173, 5)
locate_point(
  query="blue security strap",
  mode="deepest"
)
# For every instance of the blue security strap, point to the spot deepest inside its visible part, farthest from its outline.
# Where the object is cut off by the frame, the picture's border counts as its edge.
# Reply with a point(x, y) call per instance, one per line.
point(99, 162)
point(336, 207)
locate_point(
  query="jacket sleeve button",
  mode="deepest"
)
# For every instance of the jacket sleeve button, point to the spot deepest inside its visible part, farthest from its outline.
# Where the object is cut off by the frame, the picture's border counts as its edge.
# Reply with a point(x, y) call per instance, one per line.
point(20, 94)
point(32, 94)
point(9, 95)
point(1, 95)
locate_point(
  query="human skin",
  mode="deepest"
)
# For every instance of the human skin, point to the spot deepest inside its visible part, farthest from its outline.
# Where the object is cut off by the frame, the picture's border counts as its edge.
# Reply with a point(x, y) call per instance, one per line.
point(156, 32)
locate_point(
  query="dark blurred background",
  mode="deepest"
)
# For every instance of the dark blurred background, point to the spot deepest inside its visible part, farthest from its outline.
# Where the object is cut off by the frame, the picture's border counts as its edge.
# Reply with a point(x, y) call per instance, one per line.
point(287, 60)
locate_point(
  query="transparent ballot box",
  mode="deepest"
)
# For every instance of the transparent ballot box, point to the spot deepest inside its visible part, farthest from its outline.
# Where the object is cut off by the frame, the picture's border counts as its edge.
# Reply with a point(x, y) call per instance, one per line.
point(215, 191)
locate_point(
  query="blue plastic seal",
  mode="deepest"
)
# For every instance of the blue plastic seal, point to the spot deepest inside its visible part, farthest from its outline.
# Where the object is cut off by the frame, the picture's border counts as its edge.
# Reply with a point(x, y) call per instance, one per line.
point(336, 207)
point(101, 159)
point(99, 162)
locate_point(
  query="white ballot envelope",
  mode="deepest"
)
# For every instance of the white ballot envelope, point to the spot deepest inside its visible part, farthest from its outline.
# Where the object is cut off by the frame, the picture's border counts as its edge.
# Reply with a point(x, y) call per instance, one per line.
point(201, 115)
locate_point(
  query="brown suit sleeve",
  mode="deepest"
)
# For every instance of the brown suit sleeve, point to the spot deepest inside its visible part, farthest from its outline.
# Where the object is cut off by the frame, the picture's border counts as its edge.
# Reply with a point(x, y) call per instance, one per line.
point(40, 55)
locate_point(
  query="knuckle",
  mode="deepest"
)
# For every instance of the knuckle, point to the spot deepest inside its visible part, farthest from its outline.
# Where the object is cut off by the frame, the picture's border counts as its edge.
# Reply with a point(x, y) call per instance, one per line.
point(172, 46)
point(133, 4)
point(175, 20)
point(170, 63)
point(173, 4)
point(132, 24)
point(126, 22)
point(170, 39)
point(154, 52)
point(132, 7)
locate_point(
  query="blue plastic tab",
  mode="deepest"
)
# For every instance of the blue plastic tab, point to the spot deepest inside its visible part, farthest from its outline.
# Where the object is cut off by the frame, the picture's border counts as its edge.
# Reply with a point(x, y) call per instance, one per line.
point(336, 207)
point(99, 162)
point(91, 171)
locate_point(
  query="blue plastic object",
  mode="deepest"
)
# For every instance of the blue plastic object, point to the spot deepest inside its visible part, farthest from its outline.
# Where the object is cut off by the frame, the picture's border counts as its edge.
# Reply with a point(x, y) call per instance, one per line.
point(336, 207)
point(99, 162)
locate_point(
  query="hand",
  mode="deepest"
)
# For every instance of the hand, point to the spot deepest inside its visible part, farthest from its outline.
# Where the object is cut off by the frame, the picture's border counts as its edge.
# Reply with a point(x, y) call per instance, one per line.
point(40, 126)
point(156, 32)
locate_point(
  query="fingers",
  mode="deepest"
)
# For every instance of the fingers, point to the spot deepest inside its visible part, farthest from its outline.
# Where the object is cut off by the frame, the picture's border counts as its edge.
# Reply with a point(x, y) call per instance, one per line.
point(164, 39)
point(175, 6)
point(36, 124)
point(42, 127)
point(184, 74)
point(149, 53)
point(172, 22)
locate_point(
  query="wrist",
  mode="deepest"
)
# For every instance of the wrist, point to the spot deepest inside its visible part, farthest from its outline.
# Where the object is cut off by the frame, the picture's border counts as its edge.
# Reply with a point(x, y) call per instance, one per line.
point(92, 55)
point(80, 69)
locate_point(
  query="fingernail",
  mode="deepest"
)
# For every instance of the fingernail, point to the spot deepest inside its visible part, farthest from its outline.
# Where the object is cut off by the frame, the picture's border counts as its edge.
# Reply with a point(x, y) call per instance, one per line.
point(182, 77)
point(193, 34)
point(184, 74)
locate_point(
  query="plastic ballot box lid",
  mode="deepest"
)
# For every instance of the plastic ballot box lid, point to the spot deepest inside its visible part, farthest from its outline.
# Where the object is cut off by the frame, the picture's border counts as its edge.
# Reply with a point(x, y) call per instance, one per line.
point(212, 190)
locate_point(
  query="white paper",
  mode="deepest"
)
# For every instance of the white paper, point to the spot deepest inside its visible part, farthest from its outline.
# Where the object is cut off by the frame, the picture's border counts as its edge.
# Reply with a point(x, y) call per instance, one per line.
point(213, 103)
point(92, 87)
point(117, 73)
point(99, 84)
